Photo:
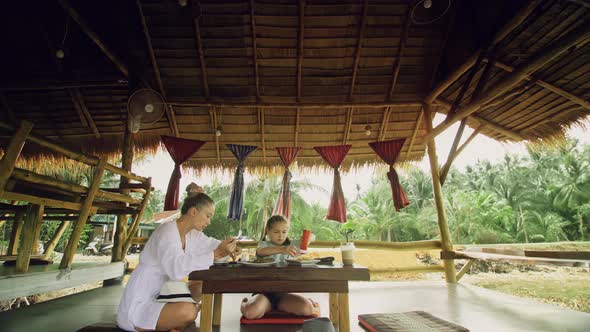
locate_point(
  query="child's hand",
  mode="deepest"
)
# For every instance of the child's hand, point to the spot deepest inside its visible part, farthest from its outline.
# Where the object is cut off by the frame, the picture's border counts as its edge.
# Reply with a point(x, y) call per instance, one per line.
point(290, 250)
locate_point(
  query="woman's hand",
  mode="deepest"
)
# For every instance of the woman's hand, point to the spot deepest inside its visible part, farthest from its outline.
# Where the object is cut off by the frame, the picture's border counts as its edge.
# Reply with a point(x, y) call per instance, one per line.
point(226, 247)
point(290, 250)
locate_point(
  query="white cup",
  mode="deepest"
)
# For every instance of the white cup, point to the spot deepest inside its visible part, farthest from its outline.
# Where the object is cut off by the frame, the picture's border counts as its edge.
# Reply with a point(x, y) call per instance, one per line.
point(347, 251)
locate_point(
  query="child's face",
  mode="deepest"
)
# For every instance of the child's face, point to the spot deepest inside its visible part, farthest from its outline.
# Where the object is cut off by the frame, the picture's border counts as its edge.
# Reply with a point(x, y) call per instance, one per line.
point(278, 232)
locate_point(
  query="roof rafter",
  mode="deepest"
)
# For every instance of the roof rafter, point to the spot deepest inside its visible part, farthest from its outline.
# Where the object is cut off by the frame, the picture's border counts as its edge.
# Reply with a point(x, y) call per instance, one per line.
point(576, 99)
point(400, 52)
point(359, 45)
point(498, 37)
point(83, 113)
point(73, 13)
point(300, 47)
point(260, 112)
point(201, 54)
point(169, 109)
point(571, 40)
point(299, 64)
point(254, 50)
point(188, 102)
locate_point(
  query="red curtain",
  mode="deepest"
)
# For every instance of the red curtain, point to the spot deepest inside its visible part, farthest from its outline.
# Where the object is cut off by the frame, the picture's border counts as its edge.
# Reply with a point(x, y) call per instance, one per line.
point(180, 149)
point(389, 151)
point(334, 155)
point(283, 204)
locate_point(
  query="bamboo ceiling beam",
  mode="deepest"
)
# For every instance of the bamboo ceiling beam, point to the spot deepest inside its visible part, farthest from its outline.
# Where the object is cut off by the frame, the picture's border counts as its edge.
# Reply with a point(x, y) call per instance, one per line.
point(261, 128)
point(83, 113)
point(300, 47)
point(415, 132)
point(357, 58)
point(384, 123)
point(553, 117)
point(297, 124)
point(7, 109)
point(546, 55)
point(440, 101)
point(201, 56)
point(170, 115)
point(180, 102)
point(498, 37)
point(576, 99)
point(400, 52)
point(300, 34)
point(349, 114)
point(444, 171)
point(64, 85)
point(73, 13)
point(254, 50)
point(359, 46)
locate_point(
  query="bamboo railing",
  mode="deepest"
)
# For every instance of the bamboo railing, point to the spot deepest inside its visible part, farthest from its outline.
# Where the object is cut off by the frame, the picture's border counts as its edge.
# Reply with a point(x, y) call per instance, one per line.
point(52, 199)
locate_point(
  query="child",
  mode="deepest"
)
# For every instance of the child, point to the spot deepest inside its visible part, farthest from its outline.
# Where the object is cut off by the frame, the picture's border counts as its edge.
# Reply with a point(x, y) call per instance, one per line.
point(280, 247)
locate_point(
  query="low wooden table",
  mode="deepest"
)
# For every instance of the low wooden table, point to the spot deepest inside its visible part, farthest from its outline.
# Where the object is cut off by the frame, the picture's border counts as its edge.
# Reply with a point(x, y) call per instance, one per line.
point(246, 279)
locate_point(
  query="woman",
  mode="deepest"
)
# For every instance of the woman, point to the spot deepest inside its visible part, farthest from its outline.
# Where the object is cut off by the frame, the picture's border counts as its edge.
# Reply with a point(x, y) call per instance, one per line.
point(174, 250)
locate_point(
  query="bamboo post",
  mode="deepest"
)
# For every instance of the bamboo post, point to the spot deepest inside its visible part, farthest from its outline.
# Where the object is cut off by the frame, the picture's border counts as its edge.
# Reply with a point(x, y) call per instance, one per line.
point(68, 257)
point(17, 226)
point(55, 239)
point(137, 218)
point(34, 216)
point(36, 236)
point(121, 228)
point(12, 152)
point(445, 236)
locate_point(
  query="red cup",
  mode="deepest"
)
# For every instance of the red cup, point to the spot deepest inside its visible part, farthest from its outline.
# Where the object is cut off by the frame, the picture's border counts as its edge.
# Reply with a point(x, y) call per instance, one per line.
point(304, 241)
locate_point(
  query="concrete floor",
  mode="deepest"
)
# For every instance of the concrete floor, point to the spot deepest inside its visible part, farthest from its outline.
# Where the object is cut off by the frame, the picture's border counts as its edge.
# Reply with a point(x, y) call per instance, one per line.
point(472, 307)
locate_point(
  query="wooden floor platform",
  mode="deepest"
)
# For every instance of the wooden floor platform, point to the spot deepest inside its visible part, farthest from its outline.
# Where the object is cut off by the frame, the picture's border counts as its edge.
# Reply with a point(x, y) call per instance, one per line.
point(45, 278)
point(475, 308)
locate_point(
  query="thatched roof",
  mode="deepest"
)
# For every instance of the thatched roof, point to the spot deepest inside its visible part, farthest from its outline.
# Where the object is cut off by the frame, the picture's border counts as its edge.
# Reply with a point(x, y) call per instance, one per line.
point(285, 73)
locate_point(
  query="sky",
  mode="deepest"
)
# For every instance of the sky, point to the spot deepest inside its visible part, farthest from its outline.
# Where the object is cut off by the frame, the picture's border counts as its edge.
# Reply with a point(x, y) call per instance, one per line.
point(160, 166)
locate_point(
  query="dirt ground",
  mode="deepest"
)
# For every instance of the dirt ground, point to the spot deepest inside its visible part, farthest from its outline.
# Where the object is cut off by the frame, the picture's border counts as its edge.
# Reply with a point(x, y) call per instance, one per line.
point(562, 286)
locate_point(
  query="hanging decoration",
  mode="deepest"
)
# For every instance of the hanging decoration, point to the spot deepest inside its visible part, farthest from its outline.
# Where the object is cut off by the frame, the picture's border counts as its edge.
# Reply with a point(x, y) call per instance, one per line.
point(236, 201)
point(283, 204)
point(334, 155)
point(389, 151)
point(180, 149)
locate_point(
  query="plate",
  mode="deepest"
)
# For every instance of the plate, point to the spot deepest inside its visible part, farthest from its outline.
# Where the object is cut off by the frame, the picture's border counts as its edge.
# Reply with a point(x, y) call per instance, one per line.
point(303, 263)
point(257, 264)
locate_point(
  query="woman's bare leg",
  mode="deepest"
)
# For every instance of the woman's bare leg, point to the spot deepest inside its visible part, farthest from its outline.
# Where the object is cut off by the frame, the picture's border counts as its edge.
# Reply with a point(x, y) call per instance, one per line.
point(255, 307)
point(297, 304)
point(176, 316)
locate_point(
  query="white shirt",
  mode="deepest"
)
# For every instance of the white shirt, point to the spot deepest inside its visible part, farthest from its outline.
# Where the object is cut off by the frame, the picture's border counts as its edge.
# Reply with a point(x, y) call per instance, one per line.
point(161, 260)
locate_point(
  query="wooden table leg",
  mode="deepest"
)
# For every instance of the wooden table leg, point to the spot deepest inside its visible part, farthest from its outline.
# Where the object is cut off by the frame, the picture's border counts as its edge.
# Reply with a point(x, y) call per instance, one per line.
point(334, 308)
point(343, 314)
point(206, 313)
point(217, 300)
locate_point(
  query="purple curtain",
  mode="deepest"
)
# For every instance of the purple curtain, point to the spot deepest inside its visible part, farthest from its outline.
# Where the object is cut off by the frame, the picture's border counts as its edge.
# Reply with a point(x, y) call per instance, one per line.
point(180, 149)
point(389, 151)
point(283, 204)
point(236, 201)
point(334, 155)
